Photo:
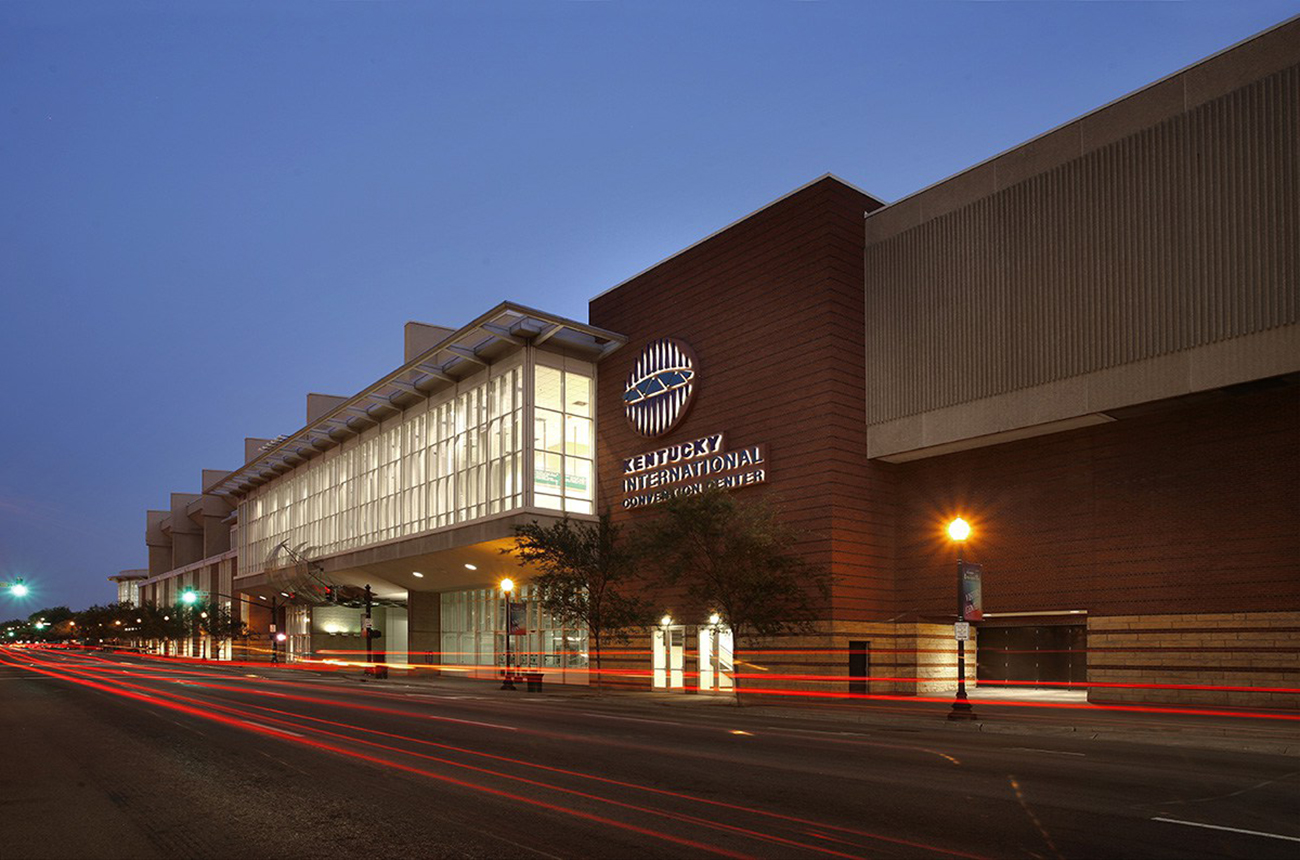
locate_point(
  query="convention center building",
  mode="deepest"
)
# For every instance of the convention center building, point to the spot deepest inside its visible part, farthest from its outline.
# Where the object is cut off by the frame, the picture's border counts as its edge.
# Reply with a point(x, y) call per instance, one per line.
point(1086, 347)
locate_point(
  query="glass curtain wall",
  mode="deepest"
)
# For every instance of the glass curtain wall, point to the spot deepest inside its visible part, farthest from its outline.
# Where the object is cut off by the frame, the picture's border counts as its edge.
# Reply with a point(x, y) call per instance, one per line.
point(563, 432)
point(456, 457)
point(473, 625)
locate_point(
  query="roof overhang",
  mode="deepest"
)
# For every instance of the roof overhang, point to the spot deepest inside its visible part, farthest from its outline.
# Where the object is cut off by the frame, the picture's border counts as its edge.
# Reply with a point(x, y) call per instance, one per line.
point(494, 335)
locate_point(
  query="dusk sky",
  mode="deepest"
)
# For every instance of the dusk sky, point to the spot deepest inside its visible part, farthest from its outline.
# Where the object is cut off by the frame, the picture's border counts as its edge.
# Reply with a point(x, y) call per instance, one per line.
point(208, 210)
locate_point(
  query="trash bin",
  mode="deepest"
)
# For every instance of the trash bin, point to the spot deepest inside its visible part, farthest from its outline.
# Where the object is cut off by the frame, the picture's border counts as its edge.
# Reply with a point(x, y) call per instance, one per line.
point(534, 680)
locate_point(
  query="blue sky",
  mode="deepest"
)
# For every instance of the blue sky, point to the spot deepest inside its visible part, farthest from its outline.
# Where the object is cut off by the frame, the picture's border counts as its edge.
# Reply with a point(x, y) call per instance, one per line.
point(209, 209)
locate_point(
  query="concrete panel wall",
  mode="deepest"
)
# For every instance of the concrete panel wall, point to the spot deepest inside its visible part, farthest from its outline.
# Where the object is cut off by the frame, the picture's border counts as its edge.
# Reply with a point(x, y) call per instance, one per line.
point(1157, 231)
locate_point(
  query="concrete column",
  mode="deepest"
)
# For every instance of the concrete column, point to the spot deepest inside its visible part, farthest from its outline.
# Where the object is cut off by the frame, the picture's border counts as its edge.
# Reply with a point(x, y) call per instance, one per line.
point(158, 542)
point(187, 535)
point(424, 626)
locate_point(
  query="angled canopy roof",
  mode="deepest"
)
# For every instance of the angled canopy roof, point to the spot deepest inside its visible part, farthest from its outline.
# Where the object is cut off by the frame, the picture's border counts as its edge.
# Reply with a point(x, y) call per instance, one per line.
point(466, 351)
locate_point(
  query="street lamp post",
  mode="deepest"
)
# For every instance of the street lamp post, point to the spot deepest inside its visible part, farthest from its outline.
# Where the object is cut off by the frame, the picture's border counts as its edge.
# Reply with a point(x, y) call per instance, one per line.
point(190, 597)
point(507, 586)
point(959, 530)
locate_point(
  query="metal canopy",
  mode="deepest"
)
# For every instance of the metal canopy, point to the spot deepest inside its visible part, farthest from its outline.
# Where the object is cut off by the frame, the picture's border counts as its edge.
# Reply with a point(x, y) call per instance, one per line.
point(500, 331)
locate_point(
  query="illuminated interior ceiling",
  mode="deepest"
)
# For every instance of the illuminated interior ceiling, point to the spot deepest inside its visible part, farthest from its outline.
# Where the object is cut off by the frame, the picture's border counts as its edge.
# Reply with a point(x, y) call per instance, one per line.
point(444, 570)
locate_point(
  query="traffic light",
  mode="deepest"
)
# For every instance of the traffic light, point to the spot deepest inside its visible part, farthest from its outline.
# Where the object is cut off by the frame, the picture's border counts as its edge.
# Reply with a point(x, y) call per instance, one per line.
point(372, 633)
point(189, 597)
point(329, 594)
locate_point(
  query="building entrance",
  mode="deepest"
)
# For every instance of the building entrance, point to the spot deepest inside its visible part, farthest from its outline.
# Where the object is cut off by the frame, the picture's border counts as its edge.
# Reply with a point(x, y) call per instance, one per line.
point(859, 666)
point(669, 657)
point(1033, 655)
point(716, 664)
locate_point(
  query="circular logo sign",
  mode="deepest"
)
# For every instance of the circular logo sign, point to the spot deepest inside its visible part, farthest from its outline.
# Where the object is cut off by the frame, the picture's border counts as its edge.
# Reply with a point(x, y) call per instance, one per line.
point(660, 387)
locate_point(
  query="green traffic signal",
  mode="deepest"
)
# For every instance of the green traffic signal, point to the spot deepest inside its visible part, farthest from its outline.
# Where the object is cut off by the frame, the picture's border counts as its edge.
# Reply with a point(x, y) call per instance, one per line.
point(189, 597)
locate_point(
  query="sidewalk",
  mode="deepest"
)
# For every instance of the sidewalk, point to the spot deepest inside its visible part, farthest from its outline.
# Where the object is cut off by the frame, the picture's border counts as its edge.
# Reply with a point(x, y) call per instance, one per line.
point(999, 711)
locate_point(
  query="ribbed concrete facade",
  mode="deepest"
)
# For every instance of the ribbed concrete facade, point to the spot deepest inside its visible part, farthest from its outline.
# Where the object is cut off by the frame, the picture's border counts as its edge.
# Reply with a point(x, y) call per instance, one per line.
point(1077, 254)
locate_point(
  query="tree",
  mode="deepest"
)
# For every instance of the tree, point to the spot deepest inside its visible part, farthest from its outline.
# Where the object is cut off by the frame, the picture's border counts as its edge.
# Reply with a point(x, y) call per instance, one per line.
point(160, 623)
point(736, 559)
point(51, 615)
point(221, 624)
point(583, 581)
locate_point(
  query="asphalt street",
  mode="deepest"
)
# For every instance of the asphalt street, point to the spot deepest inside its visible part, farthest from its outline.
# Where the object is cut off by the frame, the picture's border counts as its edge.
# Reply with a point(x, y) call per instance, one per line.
point(114, 757)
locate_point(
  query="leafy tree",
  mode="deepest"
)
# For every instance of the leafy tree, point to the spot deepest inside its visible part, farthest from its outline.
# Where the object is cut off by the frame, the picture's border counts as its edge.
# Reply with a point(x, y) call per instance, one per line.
point(51, 615)
point(159, 623)
point(736, 559)
point(585, 568)
point(220, 622)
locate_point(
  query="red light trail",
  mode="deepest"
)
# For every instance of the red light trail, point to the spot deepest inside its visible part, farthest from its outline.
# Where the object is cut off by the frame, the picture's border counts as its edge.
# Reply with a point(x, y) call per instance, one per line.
point(239, 718)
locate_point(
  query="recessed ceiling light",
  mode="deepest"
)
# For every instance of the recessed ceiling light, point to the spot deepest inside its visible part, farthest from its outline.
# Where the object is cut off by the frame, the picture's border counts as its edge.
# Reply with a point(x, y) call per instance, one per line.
point(471, 567)
point(417, 574)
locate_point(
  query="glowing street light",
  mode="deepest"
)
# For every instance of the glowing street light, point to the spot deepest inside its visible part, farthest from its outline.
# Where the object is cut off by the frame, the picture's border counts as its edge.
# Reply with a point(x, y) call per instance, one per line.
point(507, 586)
point(959, 531)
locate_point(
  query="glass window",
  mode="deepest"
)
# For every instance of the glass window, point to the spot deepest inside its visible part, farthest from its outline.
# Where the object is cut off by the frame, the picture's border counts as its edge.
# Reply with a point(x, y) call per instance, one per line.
point(548, 432)
point(577, 394)
point(549, 385)
point(577, 436)
point(373, 488)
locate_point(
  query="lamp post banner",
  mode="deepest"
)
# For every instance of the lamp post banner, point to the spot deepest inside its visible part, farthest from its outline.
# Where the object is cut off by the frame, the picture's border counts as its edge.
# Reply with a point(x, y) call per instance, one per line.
point(972, 597)
point(516, 618)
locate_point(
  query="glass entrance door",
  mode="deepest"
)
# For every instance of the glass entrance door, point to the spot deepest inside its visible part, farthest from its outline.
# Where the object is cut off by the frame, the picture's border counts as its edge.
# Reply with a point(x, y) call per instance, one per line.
point(668, 646)
point(716, 666)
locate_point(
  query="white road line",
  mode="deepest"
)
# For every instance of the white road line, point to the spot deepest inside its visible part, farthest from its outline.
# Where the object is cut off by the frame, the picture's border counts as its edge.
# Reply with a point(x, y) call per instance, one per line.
point(272, 728)
point(630, 719)
point(1050, 752)
point(471, 723)
point(1230, 829)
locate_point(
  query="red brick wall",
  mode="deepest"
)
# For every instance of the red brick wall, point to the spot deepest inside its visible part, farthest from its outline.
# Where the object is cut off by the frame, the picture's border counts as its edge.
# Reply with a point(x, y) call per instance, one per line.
point(773, 308)
point(1194, 508)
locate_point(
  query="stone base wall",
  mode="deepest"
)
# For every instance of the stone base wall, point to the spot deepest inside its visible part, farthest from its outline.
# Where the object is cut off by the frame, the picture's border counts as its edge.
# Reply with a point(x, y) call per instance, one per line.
point(1251, 652)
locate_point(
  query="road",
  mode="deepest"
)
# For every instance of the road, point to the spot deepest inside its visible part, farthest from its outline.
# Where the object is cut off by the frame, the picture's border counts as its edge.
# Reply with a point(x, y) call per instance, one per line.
point(108, 757)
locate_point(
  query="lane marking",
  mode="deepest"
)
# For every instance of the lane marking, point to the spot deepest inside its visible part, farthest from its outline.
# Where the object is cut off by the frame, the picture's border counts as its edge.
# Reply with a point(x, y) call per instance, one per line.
point(1229, 829)
point(469, 722)
point(1049, 752)
point(631, 719)
point(1024, 804)
point(271, 728)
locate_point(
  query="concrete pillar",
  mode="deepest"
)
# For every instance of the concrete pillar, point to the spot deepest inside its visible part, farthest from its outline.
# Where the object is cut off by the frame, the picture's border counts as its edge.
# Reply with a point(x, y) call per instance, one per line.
point(420, 337)
point(187, 535)
point(158, 542)
point(424, 626)
point(320, 405)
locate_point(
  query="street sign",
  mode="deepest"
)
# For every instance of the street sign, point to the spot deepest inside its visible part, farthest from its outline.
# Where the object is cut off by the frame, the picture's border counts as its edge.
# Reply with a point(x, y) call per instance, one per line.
point(366, 623)
point(961, 631)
